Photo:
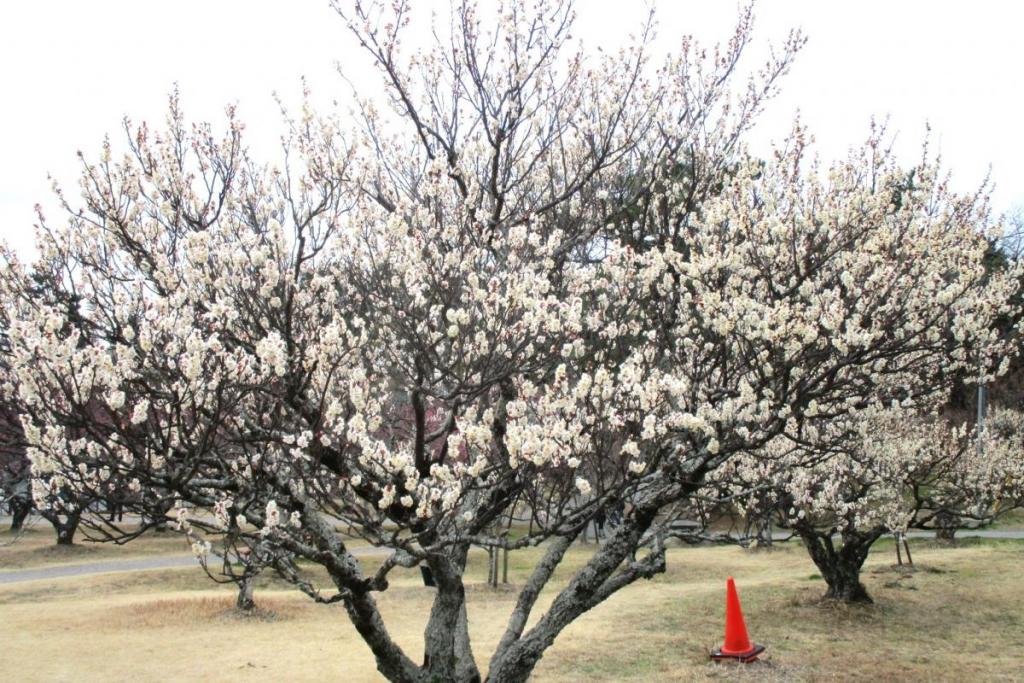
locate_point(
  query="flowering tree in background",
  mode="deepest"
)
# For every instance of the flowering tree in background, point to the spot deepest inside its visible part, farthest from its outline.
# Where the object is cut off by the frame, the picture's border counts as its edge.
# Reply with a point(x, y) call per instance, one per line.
point(14, 465)
point(884, 471)
point(530, 280)
point(15, 468)
point(15, 493)
point(975, 483)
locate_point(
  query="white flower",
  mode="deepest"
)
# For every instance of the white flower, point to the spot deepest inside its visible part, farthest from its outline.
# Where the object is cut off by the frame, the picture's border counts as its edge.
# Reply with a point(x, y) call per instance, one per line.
point(271, 352)
point(272, 515)
point(141, 412)
point(115, 399)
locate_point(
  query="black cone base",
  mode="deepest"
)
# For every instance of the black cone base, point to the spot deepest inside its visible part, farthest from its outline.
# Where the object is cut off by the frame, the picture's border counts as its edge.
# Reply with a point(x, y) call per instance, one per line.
point(745, 657)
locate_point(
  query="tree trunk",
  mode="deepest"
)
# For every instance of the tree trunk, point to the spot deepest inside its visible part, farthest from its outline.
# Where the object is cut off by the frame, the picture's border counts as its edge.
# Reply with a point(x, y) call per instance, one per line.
point(66, 529)
point(392, 663)
point(160, 521)
point(19, 513)
point(945, 527)
point(844, 583)
point(841, 567)
point(448, 655)
point(245, 601)
point(763, 537)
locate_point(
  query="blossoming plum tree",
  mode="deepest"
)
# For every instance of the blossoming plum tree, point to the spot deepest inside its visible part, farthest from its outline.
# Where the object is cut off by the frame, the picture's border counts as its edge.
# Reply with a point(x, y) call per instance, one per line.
point(15, 467)
point(14, 470)
point(526, 280)
point(975, 483)
point(883, 471)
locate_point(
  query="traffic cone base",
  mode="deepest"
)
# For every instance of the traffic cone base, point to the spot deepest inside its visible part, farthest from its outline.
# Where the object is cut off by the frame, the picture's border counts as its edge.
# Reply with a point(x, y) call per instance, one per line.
point(737, 643)
point(745, 657)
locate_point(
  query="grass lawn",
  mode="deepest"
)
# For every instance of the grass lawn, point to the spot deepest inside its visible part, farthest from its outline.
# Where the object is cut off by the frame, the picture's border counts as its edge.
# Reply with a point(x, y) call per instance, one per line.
point(957, 617)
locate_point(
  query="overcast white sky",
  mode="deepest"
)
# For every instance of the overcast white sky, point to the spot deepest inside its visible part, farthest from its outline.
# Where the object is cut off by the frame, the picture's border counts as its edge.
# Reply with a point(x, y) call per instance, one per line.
point(71, 69)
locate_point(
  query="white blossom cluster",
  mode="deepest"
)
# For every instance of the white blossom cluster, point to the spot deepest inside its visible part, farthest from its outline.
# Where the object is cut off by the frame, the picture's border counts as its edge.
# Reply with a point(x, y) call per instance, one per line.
point(886, 468)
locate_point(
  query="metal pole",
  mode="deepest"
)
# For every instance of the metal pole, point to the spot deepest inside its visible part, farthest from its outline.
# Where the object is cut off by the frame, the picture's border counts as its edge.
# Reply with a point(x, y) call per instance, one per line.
point(981, 413)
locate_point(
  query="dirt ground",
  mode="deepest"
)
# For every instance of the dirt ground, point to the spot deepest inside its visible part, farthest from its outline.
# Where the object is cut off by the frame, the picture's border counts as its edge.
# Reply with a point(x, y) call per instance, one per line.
point(957, 616)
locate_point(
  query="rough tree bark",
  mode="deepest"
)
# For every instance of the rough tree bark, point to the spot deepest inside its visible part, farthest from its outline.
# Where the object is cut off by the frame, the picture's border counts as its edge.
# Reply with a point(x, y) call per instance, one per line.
point(448, 655)
point(517, 653)
point(245, 601)
point(762, 534)
point(840, 567)
point(20, 510)
point(945, 527)
point(65, 525)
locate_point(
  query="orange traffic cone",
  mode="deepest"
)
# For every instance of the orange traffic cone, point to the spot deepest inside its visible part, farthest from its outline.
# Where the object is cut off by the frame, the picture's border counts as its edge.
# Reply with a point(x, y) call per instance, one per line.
point(737, 643)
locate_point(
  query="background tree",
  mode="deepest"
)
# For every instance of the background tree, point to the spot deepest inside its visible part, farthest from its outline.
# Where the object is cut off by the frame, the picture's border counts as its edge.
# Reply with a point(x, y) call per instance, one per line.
point(14, 465)
point(64, 506)
point(883, 472)
point(14, 469)
point(976, 482)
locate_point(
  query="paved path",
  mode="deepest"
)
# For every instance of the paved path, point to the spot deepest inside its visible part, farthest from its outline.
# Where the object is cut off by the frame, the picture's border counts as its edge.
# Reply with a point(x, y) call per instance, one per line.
point(974, 533)
point(104, 567)
point(1014, 534)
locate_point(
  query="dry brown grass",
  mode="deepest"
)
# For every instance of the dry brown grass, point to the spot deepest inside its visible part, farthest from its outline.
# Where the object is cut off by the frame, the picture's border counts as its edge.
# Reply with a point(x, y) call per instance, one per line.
point(958, 617)
point(186, 611)
point(37, 548)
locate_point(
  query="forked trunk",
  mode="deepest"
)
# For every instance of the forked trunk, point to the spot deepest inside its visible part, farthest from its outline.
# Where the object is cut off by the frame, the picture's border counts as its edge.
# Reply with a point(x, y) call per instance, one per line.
point(840, 567)
point(448, 655)
point(66, 528)
point(844, 584)
point(519, 653)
